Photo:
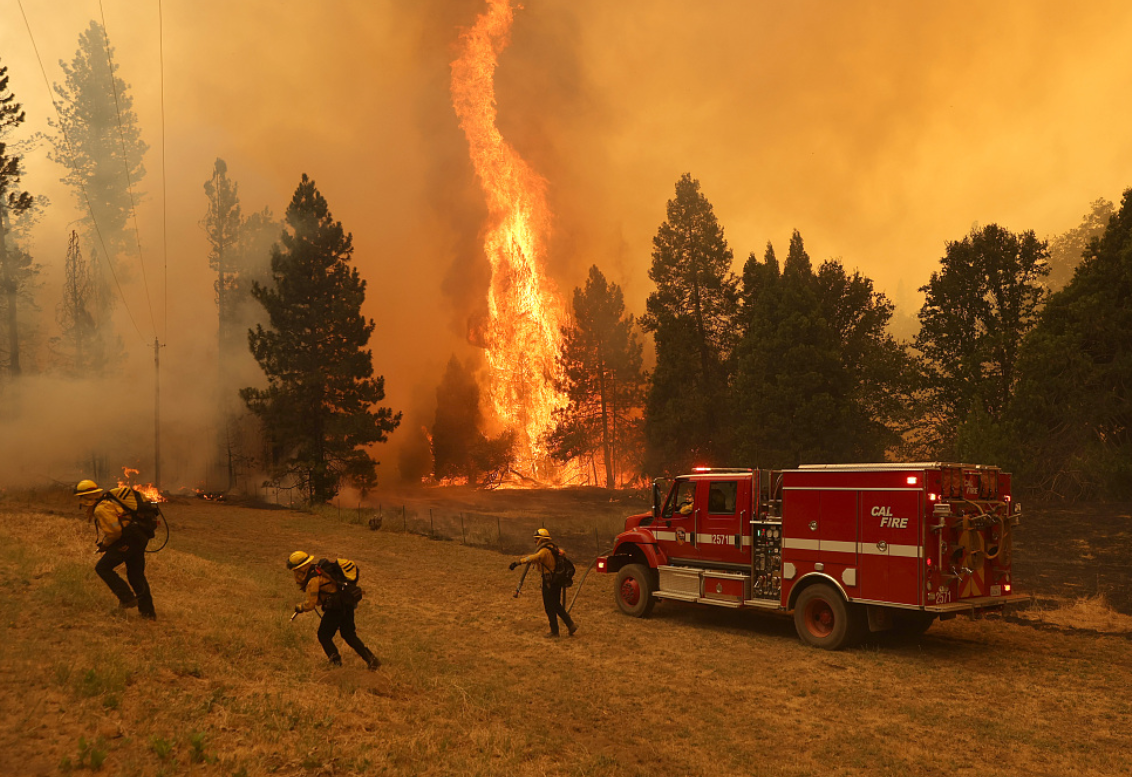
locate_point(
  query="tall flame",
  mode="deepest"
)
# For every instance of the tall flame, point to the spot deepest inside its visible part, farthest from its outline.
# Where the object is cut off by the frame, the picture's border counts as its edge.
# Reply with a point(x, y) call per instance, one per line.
point(523, 338)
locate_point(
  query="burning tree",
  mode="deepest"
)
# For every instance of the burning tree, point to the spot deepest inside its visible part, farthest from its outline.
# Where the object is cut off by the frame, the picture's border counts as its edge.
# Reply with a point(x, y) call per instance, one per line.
point(318, 409)
point(602, 378)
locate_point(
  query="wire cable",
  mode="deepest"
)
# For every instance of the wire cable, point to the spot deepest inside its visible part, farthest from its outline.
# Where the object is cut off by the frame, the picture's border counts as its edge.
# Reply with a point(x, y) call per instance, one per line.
point(164, 196)
point(78, 177)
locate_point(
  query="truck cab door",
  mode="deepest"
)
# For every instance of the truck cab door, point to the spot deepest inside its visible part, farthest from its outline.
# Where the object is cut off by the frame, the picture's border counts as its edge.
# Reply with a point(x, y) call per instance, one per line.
point(675, 532)
point(725, 530)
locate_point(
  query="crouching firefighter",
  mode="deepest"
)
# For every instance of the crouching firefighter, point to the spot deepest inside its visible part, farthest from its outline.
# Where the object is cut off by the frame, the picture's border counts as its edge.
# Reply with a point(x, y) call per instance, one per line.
point(553, 594)
point(337, 610)
point(121, 539)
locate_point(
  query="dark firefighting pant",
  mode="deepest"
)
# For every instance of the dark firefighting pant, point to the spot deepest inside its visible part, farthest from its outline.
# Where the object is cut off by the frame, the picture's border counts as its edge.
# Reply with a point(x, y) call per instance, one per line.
point(128, 550)
point(555, 608)
point(341, 620)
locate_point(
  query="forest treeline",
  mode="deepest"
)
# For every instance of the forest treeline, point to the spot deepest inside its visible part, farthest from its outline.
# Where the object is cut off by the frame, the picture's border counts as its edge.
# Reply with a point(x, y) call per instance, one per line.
point(1022, 356)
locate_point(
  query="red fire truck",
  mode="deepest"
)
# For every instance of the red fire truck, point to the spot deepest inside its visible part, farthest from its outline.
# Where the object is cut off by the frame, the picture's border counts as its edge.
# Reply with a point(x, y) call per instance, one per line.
point(849, 548)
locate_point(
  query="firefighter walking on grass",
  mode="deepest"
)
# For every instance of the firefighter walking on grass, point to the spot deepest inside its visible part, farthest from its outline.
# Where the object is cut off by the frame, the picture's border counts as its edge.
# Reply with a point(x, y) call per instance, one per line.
point(121, 540)
point(553, 594)
point(337, 612)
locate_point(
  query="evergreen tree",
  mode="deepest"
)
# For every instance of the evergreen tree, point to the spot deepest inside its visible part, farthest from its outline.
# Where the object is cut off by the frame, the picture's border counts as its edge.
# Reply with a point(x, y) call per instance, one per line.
point(16, 267)
point(100, 143)
point(319, 408)
point(221, 223)
point(100, 147)
point(1071, 416)
point(1067, 249)
point(73, 312)
point(978, 306)
point(602, 378)
point(460, 448)
point(691, 315)
point(816, 372)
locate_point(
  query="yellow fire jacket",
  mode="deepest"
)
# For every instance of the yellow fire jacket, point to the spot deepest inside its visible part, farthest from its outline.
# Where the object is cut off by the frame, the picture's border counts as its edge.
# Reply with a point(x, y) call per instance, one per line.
point(544, 557)
point(318, 589)
point(110, 518)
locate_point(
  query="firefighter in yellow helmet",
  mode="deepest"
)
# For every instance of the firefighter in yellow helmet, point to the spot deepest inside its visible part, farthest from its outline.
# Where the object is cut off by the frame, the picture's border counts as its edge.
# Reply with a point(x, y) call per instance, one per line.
point(553, 594)
point(337, 615)
point(121, 541)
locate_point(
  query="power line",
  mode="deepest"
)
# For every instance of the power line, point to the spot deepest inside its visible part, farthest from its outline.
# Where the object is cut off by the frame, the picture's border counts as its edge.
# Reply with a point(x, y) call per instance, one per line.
point(164, 197)
point(71, 159)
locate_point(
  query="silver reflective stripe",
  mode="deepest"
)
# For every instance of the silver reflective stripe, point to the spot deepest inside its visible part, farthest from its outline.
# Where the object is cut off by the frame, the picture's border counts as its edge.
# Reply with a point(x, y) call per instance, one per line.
point(868, 549)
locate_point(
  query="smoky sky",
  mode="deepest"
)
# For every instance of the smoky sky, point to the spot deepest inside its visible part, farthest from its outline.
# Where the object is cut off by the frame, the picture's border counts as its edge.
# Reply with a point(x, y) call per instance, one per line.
point(879, 130)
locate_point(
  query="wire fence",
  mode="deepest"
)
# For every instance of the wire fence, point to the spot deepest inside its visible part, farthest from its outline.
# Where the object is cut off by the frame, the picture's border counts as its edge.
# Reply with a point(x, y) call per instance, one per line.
point(508, 535)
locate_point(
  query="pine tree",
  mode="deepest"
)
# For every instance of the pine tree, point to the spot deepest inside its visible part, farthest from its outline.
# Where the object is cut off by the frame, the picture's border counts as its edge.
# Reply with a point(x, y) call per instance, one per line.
point(460, 447)
point(221, 223)
point(99, 146)
point(15, 264)
point(601, 364)
point(100, 143)
point(691, 315)
point(319, 408)
point(1068, 249)
point(1071, 419)
point(978, 306)
point(73, 311)
point(817, 374)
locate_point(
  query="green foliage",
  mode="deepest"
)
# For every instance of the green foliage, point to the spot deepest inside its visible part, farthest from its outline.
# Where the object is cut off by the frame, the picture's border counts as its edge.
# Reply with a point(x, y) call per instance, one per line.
point(197, 753)
point(162, 748)
point(818, 378)
point(691, 315)
point(16, 268)
point(1071, 415)
point(978, 307)
point(601, 364)
point(91, 756)
point(459, 446)
point(319, 407)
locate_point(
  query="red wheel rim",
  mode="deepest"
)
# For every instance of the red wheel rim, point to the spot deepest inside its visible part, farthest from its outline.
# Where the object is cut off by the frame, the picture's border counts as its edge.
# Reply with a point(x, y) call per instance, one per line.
point(819, 618)
point(630, 591)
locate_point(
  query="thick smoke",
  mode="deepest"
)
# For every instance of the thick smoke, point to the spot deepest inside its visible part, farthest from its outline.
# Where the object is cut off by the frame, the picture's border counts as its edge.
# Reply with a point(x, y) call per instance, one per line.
point(879, 130)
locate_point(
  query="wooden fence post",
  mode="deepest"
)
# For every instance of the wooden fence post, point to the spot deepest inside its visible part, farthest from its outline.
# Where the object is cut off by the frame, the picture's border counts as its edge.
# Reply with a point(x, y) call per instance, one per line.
point(463, 540)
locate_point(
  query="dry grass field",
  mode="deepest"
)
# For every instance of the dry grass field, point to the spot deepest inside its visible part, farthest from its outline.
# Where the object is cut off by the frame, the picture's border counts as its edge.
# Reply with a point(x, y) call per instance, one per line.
point(224, 684)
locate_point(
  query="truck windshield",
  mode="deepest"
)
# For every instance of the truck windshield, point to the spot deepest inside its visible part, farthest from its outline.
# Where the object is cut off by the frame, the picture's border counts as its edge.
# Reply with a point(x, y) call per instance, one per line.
point(682, 498)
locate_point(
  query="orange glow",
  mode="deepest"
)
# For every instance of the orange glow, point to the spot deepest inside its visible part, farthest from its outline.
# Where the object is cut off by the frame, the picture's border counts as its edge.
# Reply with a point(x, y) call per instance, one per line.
point(522, 338)
point(149, 491)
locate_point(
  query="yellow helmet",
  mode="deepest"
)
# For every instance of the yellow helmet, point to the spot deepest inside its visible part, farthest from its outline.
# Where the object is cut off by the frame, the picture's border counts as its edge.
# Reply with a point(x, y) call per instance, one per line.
point(298, 559)
point(542, 534)
point(87, 488)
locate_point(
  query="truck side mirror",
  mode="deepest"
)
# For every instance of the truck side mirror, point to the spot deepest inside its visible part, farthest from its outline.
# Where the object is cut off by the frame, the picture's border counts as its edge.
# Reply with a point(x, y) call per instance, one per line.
point(656, 499)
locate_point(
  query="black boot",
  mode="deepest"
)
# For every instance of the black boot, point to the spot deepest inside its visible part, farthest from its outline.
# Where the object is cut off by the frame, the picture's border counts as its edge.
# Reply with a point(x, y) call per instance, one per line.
point(335, 660)
point(372, 661)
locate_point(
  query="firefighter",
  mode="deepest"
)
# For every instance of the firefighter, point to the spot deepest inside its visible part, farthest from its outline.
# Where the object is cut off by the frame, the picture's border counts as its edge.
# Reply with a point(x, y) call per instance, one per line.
point(553, 594)
point(337, 615)
point(121, 541)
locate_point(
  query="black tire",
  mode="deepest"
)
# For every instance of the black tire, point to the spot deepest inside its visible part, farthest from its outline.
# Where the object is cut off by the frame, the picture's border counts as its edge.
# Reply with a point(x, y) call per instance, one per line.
point(634, 590)
point(824, 619)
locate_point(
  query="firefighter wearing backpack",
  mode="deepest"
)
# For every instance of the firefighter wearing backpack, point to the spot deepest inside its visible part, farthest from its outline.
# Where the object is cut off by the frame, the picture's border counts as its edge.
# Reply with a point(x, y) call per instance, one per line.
point(553, 593)
point(337, 611)
point(121, 540)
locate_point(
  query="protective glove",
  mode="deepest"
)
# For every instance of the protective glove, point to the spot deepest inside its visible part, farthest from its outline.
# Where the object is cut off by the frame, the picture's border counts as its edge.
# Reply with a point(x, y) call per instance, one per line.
point(513, 565)
point(298, 608)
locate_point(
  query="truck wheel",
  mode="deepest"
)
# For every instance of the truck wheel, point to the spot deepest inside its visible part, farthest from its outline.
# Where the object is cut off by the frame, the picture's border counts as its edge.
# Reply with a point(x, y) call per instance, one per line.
point(634, 589)
point(823, 619)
